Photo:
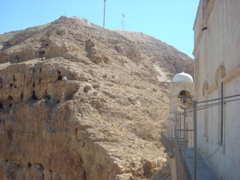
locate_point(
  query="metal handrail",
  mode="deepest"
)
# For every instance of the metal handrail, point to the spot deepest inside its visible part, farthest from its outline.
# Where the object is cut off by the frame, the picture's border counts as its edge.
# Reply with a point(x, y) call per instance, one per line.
point(182, 169)
point(168, 144)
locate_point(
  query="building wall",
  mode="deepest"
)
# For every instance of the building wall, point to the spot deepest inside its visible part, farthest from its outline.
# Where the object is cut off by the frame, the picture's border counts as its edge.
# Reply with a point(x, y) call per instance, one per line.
point(217, 60)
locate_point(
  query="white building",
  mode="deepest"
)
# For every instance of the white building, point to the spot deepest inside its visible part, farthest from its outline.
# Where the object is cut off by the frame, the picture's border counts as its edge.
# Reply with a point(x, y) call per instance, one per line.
point(181, 91)
point(217, 75)
point(181, 94)
point(215, 98)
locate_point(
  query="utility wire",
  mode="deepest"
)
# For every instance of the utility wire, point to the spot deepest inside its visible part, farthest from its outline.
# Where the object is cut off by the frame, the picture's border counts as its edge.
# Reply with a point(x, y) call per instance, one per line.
point(210, 154)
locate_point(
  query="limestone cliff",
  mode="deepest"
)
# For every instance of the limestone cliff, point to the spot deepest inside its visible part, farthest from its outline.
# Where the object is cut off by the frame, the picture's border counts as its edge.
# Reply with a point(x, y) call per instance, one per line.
point(81, 102)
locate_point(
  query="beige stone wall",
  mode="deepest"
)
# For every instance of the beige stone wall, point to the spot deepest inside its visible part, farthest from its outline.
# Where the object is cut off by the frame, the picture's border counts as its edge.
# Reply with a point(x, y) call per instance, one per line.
point(218, 61)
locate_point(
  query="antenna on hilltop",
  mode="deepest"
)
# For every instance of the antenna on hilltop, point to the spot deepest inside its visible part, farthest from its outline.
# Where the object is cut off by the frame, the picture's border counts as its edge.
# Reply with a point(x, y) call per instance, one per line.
point(104, 13)
point(123, 24)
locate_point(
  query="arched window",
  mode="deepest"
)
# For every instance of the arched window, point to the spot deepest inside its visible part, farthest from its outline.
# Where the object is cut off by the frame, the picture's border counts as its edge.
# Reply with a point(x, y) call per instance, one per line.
point(184, 96)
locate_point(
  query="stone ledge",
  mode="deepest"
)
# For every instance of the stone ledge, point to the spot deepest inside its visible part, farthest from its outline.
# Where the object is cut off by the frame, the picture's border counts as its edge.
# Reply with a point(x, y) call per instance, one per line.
point(232, 75)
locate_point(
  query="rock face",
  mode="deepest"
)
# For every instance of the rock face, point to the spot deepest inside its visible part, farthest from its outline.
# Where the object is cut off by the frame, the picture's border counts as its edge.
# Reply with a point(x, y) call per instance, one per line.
point(81, 102)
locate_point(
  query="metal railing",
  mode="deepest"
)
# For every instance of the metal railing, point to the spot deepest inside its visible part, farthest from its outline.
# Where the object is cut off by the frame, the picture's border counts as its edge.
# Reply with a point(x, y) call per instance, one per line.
point(169, 145)
point(182, 169)
point(185, 138)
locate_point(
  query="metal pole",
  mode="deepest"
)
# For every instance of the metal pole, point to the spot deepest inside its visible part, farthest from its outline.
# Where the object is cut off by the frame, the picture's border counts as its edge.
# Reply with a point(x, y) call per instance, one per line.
point(184, 133)
point(178, 125)
point(104, 13)
point(175, 127)
point(180, 130)
point(123, 24)
point(221, 138)
point(195, 141)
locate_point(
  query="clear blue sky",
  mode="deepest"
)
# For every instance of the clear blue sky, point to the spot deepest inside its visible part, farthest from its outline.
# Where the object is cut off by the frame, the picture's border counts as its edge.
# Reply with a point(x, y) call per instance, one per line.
point(170, 21)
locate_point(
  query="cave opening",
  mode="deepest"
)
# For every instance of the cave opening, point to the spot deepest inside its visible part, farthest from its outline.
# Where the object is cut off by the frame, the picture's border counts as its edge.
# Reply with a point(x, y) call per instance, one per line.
point(48, 97)
point(41, 168)
point(14, 78)
point(34, 97)
point(41, 52)
point(29, 165)
point(59, 77)
point(10, 98)
point(21, 97)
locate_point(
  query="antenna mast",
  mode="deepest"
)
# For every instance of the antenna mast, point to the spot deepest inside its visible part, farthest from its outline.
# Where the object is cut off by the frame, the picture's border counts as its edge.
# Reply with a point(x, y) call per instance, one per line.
point(123, 24)
point(104, 13)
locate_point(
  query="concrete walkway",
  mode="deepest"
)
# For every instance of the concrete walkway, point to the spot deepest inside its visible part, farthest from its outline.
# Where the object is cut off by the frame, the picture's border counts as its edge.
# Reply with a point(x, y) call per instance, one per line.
point(203, 171)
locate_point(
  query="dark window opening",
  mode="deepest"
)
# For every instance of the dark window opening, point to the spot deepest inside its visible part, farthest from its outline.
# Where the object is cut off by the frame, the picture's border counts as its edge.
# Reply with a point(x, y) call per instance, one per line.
point(14, 78)
point(183, 93)
point(1, 80)
point(184, 96)
point(47, 97)
point(21, 96)
point(41, 168)
point(59, 77)
point(29, 165)
point(34, 97)
point(41, 52)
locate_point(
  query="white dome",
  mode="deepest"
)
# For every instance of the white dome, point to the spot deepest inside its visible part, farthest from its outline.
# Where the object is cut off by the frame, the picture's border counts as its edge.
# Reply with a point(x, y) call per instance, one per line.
point(182, 77)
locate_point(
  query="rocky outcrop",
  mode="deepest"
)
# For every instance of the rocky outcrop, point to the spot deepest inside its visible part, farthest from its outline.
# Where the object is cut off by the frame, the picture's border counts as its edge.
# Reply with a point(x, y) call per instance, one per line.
point(36, 80)
point(81, 102)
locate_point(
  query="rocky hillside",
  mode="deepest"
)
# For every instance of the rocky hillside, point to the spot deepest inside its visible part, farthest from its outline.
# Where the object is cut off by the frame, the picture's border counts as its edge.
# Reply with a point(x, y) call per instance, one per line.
point(81, 102)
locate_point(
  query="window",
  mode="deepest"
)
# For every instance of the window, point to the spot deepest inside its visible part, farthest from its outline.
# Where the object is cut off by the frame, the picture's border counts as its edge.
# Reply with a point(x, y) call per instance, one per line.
point(184, 96)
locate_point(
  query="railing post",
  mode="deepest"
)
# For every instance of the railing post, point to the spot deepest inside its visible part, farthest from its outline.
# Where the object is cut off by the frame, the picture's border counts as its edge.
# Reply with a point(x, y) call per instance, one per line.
point(195, 140)
point(180, 129)
point(175, 127)
point(221, 135)
point(184, 133)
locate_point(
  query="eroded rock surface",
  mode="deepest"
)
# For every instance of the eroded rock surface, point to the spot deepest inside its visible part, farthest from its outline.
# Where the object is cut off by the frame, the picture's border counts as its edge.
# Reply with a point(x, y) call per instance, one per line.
point(81, 102)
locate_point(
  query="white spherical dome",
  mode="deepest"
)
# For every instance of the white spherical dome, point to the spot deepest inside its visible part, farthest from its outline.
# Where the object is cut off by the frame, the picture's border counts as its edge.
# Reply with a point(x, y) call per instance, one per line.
point(182, 77)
